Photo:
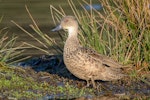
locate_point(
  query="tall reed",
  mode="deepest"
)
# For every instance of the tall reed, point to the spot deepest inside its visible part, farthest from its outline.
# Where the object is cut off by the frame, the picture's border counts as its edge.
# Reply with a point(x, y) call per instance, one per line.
point(9, 52)
point(119, 30)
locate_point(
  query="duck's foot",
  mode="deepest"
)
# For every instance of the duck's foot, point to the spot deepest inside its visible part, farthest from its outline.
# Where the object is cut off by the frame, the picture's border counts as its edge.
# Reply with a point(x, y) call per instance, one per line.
point(87, 83)
point(93, 83)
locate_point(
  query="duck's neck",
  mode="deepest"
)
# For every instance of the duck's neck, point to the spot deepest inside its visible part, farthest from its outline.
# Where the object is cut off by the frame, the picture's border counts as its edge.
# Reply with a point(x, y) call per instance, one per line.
point(72, 42)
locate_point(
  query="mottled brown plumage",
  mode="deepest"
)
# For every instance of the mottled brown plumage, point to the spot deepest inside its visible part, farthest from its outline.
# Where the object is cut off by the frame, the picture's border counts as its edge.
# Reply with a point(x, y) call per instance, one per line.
point(85, 63)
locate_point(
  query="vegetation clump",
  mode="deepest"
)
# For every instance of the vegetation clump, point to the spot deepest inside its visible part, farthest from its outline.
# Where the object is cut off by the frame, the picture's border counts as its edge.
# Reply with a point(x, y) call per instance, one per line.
point(119, 30)
point(25, 83)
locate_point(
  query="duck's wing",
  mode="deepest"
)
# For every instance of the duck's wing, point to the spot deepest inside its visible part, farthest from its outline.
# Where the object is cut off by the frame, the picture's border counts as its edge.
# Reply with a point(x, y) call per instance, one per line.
point(106, 61)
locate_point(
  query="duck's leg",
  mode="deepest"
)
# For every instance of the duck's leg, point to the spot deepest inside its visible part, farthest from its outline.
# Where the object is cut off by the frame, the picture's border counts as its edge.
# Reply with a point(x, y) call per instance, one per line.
point(87, 83)
point(93, 82)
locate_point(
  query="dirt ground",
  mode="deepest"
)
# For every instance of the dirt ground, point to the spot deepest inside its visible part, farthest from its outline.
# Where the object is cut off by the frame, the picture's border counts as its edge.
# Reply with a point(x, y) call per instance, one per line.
point(48, 77)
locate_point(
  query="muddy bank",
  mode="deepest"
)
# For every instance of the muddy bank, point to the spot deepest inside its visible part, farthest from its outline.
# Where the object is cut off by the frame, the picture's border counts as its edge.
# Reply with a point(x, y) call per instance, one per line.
point(52, 70)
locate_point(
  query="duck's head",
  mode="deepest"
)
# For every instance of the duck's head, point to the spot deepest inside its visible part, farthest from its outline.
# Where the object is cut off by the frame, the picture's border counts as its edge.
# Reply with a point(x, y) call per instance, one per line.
point(67, 23)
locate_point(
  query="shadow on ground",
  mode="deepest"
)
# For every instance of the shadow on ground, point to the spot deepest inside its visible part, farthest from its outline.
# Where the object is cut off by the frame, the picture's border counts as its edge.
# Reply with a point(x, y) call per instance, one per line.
point(126, 88)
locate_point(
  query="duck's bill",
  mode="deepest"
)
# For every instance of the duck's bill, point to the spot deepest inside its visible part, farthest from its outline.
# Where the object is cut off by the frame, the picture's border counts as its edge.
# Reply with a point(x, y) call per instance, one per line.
point(57, 28)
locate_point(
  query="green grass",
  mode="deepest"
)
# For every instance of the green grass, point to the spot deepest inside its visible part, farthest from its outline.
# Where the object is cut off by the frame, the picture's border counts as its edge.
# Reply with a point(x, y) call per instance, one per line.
point(8, 52)
point(128, 21)
point(15, 83)
point(10, 82)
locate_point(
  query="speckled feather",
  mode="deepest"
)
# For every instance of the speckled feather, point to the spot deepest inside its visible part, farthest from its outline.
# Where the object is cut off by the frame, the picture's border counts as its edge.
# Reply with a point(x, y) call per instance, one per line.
point(86, 63)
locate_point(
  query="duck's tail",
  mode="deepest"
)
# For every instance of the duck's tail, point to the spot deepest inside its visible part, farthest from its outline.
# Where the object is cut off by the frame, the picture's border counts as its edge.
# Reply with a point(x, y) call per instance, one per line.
point(114, 74)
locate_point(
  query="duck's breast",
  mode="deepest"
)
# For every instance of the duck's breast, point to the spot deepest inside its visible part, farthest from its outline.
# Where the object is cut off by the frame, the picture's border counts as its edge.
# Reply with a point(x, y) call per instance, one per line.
point(80, 64)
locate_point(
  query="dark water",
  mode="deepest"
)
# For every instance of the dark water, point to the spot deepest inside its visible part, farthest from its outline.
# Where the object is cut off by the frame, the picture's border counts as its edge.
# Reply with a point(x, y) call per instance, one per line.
point(40, 10)
point(15, 10)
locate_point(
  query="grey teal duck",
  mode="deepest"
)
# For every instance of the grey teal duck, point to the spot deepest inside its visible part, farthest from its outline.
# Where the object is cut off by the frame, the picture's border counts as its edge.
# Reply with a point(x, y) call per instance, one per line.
point(85, 63)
